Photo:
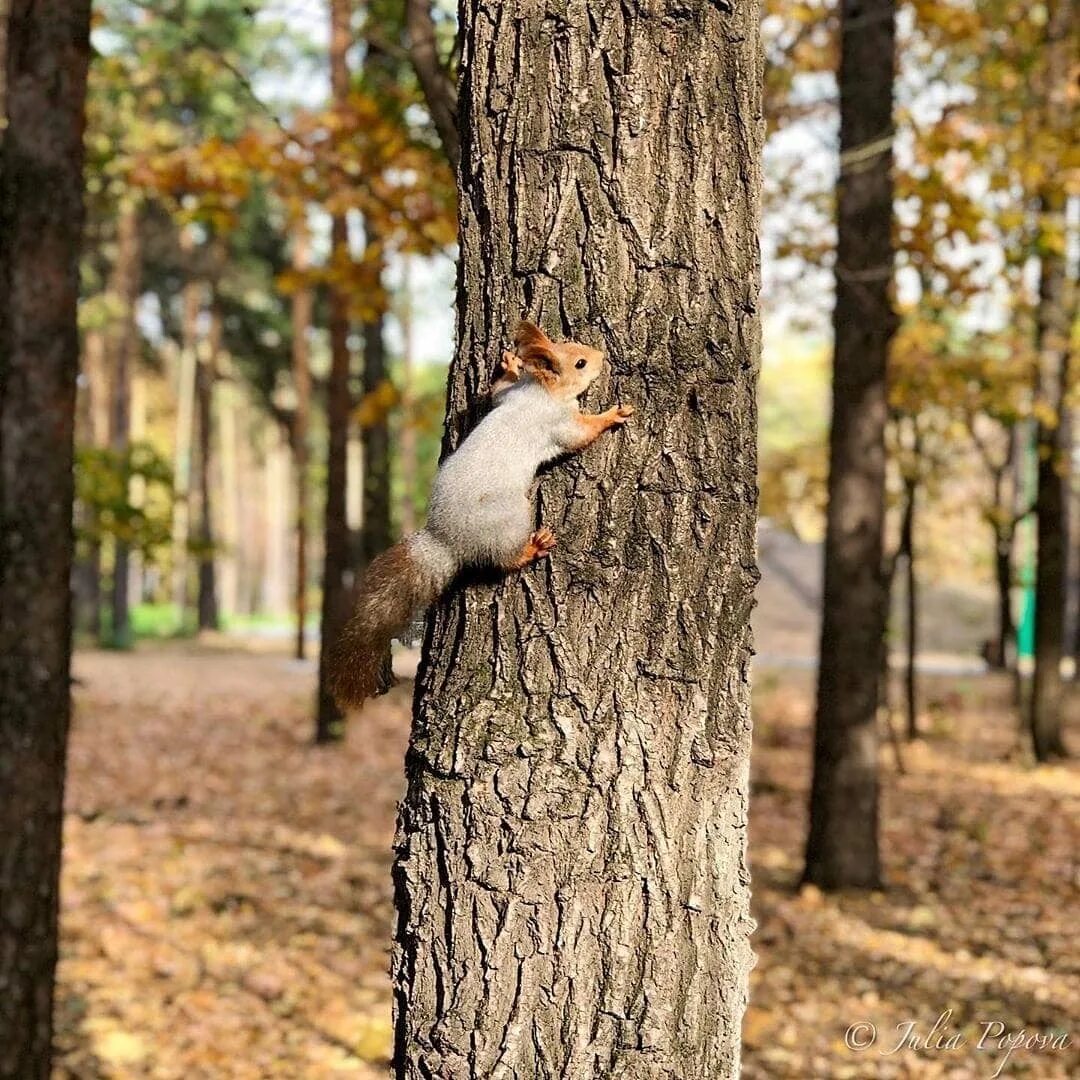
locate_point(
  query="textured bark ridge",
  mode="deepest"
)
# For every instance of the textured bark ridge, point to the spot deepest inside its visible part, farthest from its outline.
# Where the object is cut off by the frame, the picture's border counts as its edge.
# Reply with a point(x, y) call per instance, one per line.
point(40, 230)
point(571, 877)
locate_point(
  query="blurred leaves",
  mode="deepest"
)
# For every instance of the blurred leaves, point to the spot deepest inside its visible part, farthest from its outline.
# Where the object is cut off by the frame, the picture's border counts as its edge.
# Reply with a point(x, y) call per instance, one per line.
point(104, 507)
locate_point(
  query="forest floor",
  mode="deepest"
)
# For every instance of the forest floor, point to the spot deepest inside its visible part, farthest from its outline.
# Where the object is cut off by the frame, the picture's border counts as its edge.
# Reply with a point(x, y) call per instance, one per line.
point(227, 904)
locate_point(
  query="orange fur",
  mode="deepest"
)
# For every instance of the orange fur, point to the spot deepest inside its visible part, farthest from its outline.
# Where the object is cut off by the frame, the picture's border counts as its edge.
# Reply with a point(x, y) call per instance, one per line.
point(393, 587)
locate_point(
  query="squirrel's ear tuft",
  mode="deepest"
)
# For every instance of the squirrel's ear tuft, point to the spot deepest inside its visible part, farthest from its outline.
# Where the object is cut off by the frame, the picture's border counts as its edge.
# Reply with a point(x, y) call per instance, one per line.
point(528, 333)
point(540, 358)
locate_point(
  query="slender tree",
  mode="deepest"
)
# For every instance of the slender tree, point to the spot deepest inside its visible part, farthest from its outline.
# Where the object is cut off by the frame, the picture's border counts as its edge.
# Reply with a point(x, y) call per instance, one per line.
point(1054, 315)
point(842, 847)
point(205, 381)
point(186, 373)
point(911, 600)
point(571, 877)
point(329, 720)
point(406, 441)
point(438, 88)
point(124, 343)
point(41, 217)
point(301, 325)
point(376, 532)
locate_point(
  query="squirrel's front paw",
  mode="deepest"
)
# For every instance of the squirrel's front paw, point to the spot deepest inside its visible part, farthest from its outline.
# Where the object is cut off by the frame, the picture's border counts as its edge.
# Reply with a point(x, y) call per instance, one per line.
point(622, 413)
point(510, 364)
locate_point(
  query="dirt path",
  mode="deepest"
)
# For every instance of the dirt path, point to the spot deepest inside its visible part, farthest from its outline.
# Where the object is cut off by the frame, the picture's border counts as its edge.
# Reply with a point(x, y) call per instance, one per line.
point(227, 903)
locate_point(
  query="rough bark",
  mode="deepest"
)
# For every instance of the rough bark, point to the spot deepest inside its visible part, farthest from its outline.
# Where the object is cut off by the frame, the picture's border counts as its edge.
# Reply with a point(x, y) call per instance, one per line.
point(301, 325)
point(1053, 327)
point(842, 846)
point(125, 286)
point(41, 218)
point(205, 379)
point(329, 721)
point(435, 82)
point(571, 876)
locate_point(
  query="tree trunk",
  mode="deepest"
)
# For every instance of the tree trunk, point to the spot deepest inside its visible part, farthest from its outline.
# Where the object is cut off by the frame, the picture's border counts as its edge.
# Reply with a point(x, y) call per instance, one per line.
point(1047, 688)
point(406, 443)
point(231, 495)
point(571, 878)
point(185, 409)
point(1005, 631)
point(125, 286)
point(329, 721)
point(911, 597)
point(376, 531)
point(436, 84)
point(41, 217)
point(1053, 326)
point(205, 378)
point(842, 847)
point(92, 430)
point(301, 326)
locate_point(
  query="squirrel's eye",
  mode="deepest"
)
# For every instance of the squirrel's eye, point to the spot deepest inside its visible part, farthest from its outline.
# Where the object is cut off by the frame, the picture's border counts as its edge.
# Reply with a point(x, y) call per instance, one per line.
point(581, 363)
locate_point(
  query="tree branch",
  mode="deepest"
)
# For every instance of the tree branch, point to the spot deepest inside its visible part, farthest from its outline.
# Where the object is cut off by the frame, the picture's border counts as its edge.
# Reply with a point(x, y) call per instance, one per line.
point(439, 90)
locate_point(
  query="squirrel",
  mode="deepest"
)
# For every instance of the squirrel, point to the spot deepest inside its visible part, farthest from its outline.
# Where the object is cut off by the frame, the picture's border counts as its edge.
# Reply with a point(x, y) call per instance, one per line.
point(481, 508)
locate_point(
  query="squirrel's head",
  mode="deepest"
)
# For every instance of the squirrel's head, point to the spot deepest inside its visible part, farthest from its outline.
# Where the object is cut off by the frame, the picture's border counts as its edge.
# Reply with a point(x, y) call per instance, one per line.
point(564, 368)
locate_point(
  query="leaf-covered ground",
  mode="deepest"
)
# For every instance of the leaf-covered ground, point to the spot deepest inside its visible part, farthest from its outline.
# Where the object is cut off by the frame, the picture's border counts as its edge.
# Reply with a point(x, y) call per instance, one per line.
point(227, 902)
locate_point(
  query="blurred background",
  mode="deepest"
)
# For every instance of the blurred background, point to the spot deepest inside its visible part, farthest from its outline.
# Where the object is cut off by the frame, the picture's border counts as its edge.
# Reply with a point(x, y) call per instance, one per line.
point(267, 315)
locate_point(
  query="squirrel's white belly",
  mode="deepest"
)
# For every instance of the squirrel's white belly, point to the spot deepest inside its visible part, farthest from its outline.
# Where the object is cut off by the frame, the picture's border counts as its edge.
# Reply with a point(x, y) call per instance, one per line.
point(480, 502)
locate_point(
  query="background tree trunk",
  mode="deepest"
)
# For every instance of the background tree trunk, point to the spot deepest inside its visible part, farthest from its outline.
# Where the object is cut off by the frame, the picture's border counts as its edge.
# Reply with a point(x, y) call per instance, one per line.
point(842, 847)
point(1051, 524)
point(185, 409)
point(329, 721)
point(94, 433)
point(406, 443)
point(205, 379)
point(126, 285)
point(911, 603)
point(376, 529)
point(301, 326)
point(438, 88)
point(41, 217)
point(571, 878)
point(1054, 316)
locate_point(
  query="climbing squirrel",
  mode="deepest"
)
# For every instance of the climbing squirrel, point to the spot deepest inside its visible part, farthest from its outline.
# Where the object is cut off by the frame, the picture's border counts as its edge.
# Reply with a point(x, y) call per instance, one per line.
point(481, 510)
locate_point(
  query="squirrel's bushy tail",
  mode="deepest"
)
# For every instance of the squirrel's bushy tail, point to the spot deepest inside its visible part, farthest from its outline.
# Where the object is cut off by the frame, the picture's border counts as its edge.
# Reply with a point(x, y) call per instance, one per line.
point(401, 580)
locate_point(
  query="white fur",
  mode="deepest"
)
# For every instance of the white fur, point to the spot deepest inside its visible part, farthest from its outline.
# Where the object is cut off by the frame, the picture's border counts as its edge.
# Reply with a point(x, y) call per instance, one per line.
point(481, 507)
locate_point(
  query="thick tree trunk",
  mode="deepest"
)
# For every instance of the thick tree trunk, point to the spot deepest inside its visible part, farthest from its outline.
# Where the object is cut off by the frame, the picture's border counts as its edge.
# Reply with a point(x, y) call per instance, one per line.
point(571, 873)
point(205, 378)
point(1053, 328)
point(41, 217)
point(301, 325)
point(125, 286)
point(842, 847)
point(329, 721)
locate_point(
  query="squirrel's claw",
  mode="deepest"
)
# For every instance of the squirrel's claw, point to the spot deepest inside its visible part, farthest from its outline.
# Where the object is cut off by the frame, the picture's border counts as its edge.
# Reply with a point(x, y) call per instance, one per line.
point(623, 413)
